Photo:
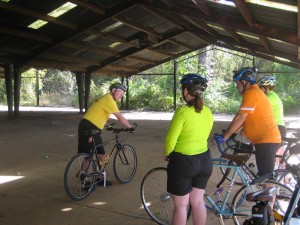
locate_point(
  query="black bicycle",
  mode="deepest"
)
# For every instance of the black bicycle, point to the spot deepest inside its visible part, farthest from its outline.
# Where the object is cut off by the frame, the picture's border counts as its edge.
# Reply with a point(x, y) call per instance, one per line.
point(83, 169)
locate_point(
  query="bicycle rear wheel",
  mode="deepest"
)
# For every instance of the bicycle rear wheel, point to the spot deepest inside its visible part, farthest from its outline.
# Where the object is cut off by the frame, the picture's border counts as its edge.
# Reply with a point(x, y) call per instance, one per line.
point(242, 209)
point(156, 200)
point(79, 176)
point(125, 164)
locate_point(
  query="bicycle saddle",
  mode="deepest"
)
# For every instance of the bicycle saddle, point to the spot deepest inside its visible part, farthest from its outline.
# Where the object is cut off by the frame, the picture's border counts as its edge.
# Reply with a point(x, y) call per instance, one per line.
point(238, 159)
point(265, 195)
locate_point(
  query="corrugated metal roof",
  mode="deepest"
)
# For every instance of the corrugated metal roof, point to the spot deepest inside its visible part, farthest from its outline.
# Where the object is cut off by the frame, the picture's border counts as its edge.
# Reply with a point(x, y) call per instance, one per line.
point(125, 37)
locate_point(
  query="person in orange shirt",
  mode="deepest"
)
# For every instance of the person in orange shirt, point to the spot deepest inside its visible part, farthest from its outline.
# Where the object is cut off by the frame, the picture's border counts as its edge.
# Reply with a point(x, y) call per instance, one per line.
point(257, 120)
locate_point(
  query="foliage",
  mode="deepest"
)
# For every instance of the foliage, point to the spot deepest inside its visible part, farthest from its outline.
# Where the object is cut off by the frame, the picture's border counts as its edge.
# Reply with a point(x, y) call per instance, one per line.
point(155, 92)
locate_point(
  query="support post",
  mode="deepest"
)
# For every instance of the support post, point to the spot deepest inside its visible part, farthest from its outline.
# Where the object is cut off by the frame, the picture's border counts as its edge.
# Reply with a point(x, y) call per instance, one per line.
point(127, 94)
point(17, 90)
point(87, 90)
point(37, 91)
point(174, 82)
point(79, 79)
point(122, 100)
point(8, 70)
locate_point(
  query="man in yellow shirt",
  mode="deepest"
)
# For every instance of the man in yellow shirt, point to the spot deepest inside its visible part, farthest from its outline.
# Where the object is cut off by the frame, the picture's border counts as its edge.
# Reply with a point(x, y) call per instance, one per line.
point(96, 117)
point(257, 120)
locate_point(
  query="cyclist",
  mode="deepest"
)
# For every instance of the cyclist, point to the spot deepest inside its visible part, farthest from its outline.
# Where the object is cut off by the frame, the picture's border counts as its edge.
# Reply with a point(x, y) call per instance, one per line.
point(186, 148)
point(267, 85)
point(96, 117)
point(256, 118)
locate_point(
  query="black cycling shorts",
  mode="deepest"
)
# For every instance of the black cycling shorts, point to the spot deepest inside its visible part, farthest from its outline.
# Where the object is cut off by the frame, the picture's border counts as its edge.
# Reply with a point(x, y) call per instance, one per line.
point(186, 172)
point(265, 157)
point(84, 146)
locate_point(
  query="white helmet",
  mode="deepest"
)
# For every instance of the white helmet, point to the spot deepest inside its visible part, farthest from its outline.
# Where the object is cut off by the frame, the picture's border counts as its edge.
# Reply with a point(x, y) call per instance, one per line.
point(267, 81)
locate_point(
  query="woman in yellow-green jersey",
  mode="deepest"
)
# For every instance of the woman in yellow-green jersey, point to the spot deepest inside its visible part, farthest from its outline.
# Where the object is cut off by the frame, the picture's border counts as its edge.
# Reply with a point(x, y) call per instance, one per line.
point(267, 85)
point(186, 148)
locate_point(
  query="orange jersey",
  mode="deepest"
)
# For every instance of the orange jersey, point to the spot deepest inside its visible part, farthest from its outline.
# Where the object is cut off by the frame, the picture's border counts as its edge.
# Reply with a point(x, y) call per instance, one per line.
point(259, 126)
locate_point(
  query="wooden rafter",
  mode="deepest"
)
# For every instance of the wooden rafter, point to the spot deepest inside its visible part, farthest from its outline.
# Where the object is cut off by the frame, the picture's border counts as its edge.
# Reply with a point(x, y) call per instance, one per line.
point(202, 6)
point(265, 42)
point(241, 5)
point(31, 13)
point(139, 59)
point(70, 59)
point(90, 6)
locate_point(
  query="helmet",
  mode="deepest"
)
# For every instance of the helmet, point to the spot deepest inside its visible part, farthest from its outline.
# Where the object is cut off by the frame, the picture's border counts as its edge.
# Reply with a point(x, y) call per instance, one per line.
point(245, 73)
point(195, 80)
point(267, 81)
point(117, 86)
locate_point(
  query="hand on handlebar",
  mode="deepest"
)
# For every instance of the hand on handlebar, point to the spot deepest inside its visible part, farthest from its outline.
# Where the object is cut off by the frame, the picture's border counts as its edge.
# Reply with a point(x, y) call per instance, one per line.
point(219, 138)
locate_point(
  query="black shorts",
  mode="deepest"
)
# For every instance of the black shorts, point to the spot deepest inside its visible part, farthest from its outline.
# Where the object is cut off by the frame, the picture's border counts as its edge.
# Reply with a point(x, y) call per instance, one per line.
point(265, 157)
point(186, 172)
point(84, 146)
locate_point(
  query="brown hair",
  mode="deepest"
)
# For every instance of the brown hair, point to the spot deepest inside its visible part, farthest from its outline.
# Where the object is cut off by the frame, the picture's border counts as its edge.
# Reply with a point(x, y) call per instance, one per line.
point(197, 102)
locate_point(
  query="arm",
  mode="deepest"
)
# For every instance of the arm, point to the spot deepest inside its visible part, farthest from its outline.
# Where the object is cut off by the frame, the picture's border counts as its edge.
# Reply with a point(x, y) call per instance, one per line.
point(235, 125)
point(122, 119)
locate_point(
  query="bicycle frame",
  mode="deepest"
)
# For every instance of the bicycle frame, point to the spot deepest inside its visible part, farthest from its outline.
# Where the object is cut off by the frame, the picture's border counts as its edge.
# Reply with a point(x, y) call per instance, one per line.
point(221, 210)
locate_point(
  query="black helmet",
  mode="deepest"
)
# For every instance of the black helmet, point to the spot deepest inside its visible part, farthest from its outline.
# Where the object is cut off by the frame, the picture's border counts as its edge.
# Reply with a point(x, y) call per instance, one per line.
point(245, 73)
point(117, 86)
point(196, 81)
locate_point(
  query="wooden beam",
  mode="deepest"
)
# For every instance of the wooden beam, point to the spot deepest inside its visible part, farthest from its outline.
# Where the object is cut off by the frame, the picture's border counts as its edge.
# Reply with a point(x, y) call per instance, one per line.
point(46, 63)
point(173, 40)
point(90, 6)
point(14, 50)
point(148, 61)
point(89, 48)
point(163, 16)
point(265, 42)
point(26, 35)
point(111, 37)
point(233, 34)
point(160, 52)
point(138, 26)
point(71, 59)
point(202, 6)
point(241, 5)
point(124, 67)
point(15, 8)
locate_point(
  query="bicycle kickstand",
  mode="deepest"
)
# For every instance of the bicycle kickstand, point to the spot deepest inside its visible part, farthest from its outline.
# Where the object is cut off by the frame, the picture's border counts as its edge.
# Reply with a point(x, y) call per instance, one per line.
point(104, 177)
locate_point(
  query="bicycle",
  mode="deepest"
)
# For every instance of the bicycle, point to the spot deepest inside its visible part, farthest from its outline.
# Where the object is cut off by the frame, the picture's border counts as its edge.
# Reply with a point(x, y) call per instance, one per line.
point(292, 214)
point(221, 203)
point(83, 169)
point(233, 146)
point(156, 200)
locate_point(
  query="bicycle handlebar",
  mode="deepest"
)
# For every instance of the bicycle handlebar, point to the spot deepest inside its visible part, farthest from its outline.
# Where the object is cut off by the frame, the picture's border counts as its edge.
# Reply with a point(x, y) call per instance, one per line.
point(118, 130)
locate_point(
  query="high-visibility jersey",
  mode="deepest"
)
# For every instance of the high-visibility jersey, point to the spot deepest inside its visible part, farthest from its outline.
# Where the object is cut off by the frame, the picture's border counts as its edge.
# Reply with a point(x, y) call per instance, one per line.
point(189, 131)
point(277, 107)
point(259, 126)
point(100, 110)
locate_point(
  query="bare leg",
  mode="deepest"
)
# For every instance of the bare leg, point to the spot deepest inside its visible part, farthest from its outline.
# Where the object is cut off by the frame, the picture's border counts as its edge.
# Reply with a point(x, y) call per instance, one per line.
point(198, 207)
point(180, 209)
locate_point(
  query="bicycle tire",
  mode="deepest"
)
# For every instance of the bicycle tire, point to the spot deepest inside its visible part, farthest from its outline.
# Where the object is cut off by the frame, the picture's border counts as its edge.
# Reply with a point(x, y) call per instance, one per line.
point(156, 200)
point(125, 164)
point(79, 181)
point(242, 209)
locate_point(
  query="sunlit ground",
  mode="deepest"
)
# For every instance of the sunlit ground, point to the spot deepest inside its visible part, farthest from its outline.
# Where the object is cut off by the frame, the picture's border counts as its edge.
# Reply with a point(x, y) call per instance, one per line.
point(5, 179)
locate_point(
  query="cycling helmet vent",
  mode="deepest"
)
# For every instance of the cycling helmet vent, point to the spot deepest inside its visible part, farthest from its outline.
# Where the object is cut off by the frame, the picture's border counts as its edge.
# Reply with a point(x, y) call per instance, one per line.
point(245, 73)
point(196, 81)
point(117, 86)
point(267, 81)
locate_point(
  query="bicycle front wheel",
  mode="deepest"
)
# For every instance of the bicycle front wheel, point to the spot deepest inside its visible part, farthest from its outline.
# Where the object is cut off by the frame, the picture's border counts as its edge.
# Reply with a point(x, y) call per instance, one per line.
point(125, 164)
point(156, 200)
point(242, 209)
point(79, 176)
